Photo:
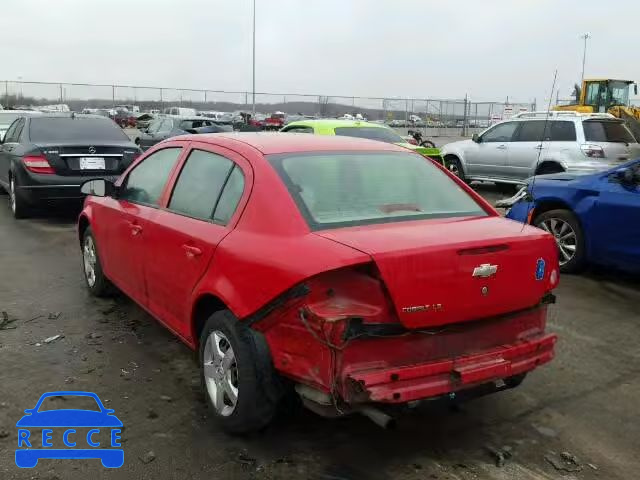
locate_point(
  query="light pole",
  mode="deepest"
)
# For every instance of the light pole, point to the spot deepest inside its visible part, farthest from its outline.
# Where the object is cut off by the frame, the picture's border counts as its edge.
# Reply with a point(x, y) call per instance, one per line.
point(253, 88)
point(586, 36)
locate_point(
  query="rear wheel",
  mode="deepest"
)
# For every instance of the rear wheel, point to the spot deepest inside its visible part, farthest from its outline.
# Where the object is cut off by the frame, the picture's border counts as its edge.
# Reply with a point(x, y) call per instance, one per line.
point(97, 283)
point(237, 375)
point(17, 204)
point(566, 229)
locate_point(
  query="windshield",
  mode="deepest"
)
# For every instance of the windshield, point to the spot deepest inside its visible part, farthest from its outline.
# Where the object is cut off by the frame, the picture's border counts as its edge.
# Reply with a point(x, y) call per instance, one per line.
point(607, 131)
point(373, 133)
point(356, 188)
point(619, 92)
point(8, 118)
point(66, 129)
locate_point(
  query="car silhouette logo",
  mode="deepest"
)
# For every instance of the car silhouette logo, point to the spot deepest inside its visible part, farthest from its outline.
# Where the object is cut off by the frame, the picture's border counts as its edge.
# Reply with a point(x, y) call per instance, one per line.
point(31, 449)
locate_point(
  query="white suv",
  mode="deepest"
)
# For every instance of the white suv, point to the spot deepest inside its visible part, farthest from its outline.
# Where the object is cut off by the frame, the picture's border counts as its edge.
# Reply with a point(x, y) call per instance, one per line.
point(515, 149)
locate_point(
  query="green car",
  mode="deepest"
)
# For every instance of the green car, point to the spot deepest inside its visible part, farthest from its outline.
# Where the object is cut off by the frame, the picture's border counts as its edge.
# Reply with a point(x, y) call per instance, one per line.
point(360, 129)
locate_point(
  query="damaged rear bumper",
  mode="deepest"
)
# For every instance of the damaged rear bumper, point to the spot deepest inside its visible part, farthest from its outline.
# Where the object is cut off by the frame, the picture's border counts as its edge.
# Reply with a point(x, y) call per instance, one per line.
point(438, 377)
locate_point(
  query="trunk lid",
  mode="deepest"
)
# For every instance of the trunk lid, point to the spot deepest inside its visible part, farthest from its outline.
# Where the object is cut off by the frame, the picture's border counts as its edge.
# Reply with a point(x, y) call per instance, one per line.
point(88, 159)
point(428, 266)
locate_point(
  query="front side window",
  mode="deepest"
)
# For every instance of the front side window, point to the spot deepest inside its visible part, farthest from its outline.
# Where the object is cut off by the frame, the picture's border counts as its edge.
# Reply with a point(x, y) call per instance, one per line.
point(591, 95)
point(356, 188)
point(147, 180)
point(381, 134)
point(199, 185)
point(502, 132)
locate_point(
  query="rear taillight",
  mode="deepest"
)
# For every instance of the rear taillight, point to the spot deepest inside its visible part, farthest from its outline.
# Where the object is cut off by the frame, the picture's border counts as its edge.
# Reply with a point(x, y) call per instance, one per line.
point(37, 164)
point(592, 151)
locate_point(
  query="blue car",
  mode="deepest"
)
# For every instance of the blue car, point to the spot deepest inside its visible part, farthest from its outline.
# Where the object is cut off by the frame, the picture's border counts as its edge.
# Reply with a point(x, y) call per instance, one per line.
point(65, 421)
point(594, 218)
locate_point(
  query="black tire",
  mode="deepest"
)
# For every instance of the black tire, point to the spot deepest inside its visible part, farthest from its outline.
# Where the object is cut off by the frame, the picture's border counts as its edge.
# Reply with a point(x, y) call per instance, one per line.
point(101, 286)
point(428, 144)
point(516, 380)
point(17, 204)
point(258, 387)
point(454, 166)
point(578, 261)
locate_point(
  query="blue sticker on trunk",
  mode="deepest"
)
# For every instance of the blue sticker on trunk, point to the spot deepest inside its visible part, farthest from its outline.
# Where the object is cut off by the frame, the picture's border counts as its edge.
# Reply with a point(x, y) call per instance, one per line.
point(540, 269)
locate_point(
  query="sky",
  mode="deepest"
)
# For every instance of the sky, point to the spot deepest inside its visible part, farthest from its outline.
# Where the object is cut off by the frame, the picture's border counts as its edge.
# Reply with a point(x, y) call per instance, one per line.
point(487, 49)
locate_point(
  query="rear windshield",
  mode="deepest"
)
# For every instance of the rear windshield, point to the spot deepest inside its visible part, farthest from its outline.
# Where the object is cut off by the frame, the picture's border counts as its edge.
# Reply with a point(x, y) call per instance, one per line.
point(372, 133)
point(339, 189)
point(607, 131)
point(64, 129)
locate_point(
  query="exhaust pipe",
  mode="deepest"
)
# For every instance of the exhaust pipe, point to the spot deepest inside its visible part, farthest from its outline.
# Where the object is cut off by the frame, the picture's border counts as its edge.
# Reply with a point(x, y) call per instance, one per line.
point(377, 416)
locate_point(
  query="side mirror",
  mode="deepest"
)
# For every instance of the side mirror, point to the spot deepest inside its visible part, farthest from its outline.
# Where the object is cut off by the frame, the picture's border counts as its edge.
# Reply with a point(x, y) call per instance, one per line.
point(624, 175)
point(475, 137)
point(98, 187)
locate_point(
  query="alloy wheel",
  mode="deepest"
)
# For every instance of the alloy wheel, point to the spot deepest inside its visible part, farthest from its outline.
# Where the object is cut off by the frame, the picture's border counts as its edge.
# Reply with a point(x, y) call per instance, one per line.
point(12, 195)
point(453, 168)
point(89, 259)
point(221, 373)
point(565, 236)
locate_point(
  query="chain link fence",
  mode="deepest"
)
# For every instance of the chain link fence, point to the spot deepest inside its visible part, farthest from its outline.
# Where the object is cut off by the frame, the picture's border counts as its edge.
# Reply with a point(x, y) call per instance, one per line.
point(435, 117)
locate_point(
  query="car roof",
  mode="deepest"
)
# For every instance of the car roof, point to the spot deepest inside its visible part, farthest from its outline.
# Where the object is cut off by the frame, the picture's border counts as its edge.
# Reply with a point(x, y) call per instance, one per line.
point(335, 123)
point(24, 112)
point(270, 143)
point(71, 115)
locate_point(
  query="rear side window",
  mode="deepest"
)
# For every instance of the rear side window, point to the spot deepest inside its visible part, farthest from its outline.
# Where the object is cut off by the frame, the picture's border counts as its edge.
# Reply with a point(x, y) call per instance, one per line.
point(147, 180)
point(372, 133)
point(563, 131)
point(606, 131)
point(199, 184)
point(67, 129)
point(532, 131)
point(230, 197)
point(10, 135)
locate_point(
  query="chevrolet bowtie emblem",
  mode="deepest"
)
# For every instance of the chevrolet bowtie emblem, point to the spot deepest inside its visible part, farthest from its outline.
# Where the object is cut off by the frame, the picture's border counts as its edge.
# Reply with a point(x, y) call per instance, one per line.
point(485, 270)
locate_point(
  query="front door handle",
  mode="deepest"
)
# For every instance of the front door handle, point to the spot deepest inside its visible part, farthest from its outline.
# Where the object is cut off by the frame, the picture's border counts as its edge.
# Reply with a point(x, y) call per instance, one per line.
point(191, 251)
point(501, 147)
point(538, 147)
point(135, 228)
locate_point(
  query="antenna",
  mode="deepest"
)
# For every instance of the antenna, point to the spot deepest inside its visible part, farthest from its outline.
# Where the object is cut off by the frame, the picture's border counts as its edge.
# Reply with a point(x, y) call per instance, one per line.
point(544, 131)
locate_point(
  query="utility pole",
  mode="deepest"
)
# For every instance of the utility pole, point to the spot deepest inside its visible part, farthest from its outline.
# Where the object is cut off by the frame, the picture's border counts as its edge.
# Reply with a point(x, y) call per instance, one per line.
point(253, 89)
point(586, 36)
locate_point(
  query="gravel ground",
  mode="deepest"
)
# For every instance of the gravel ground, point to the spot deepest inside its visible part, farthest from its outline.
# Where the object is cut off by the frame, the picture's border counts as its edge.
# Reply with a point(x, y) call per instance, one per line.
point(584, 403)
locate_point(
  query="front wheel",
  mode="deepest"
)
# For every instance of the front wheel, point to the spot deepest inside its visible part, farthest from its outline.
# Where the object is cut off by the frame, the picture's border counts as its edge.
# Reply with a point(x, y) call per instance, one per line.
point(454, 166)
point(97, 283)
point(567, 231)
point(237, 375)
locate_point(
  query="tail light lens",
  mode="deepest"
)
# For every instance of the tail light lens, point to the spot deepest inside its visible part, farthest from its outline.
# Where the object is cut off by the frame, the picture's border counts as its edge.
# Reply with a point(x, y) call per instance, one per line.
point(592, 151)
point(38, 164)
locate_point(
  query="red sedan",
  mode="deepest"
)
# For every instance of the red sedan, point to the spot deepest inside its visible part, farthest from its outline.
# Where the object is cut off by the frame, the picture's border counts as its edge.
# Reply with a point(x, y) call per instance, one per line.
point(354, 273)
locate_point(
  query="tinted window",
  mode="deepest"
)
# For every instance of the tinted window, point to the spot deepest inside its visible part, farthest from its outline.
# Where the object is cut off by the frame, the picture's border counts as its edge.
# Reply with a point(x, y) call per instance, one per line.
point(230, 197)
point(532, 131)
point(147, 180)
point(563, 131)
point(606, 131)
point(373, 133)
point(354, 188)
point(66, 129)
point(500, 133)
point(199, 184)
point(299, 129)
point(10, 134)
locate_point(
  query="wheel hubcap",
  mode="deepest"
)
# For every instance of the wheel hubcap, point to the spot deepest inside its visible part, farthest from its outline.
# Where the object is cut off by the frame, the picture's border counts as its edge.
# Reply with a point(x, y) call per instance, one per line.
point(89, 260)
point(12, 196)
point(565, 238)
point(221, 373)
point(453, 168)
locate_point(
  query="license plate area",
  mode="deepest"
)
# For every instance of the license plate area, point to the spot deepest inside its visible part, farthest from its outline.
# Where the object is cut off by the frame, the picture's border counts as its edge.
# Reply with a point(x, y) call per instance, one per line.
point(92, 163)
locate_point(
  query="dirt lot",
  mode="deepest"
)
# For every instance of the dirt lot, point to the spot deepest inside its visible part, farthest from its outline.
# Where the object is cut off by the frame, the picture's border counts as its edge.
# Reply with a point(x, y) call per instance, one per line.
point(584, 403)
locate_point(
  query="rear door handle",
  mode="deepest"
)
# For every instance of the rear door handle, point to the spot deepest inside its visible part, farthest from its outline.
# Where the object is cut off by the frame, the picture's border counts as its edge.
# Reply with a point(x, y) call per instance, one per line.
point(501, 147)
point(191, 251)
point(135, 228)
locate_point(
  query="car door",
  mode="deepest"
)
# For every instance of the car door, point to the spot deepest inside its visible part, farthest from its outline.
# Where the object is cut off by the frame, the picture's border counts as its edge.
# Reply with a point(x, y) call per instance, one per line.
point(613, 228)
point(525, 149)
point(7, 150)
point(199, 213)
point(123, 219)
point(487, 157)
